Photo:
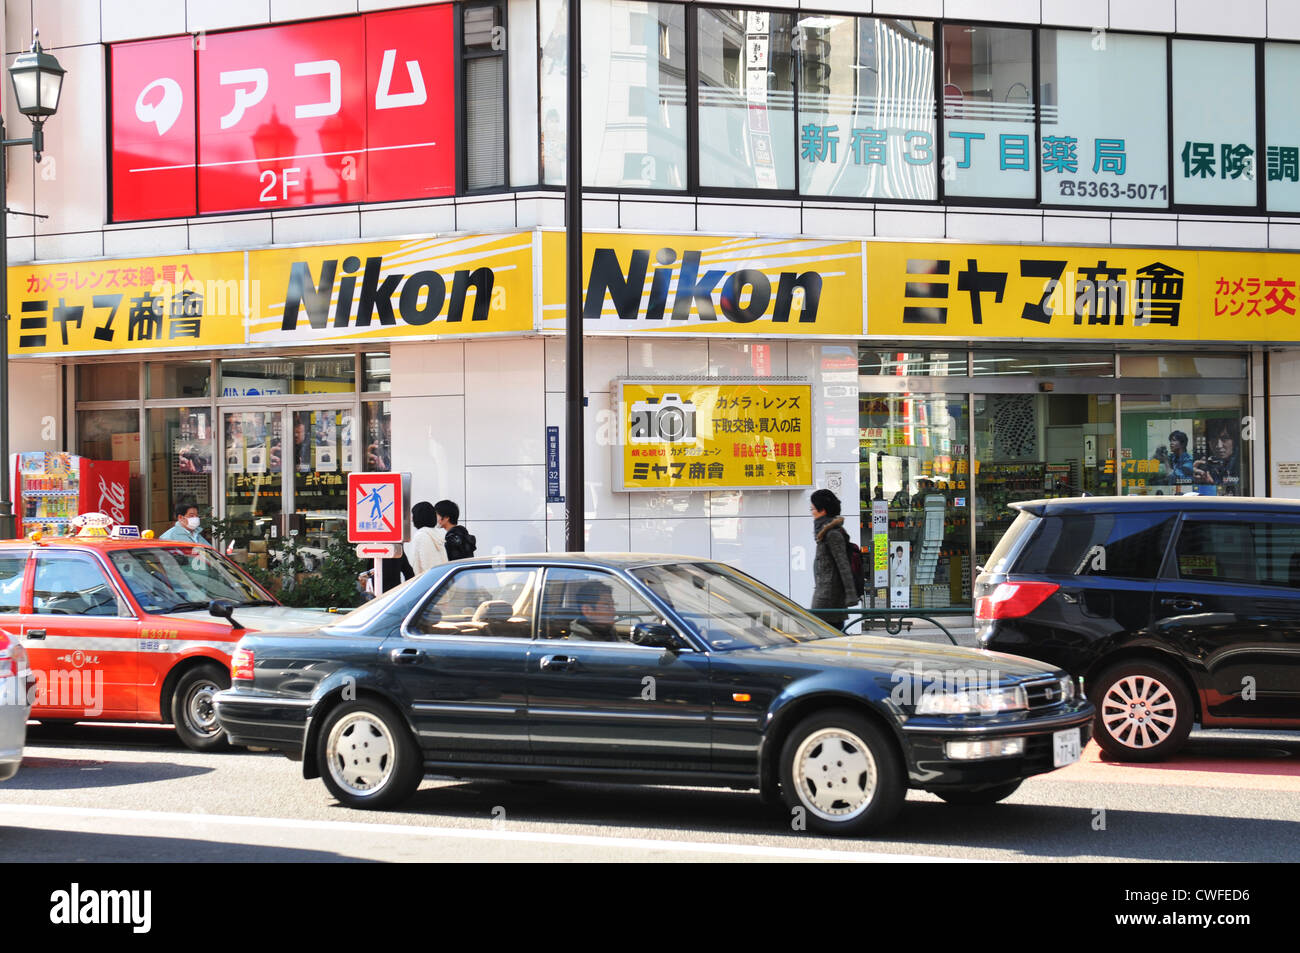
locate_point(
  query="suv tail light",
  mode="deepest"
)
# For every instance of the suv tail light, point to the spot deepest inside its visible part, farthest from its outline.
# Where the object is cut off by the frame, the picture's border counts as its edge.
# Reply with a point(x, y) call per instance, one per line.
point(1012, 600)
point(241, 665)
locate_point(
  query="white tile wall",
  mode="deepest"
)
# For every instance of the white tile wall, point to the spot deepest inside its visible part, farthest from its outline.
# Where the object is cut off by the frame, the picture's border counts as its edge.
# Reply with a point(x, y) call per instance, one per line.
point(226, 233)
point(1284, 19)
point(1221, 233)
point(1072, 229)
point(602, 501)
point(505, 492)
point(1284, 375)
point(803, 548)
point(158, 239)
point(658, 216)
point(977, 227)
point(135, 19)
point(544, 211)
point(431, 368)
point(504, 421)
point(18, 27)
point(1017, 11)
point(770, 218)
point(657, 357)
point(498, 212)
point(428, 442)
point(917, 223)
point(910, 8)
point(310, 9)
point(603, 359)
point(1207, 16)
point(34, 389)
point(599, 536)
point(66, 23)
point(1285, 441)
point(429, 218)
point(220, 14)
point(502, 537)
point(22, 250)
point(1284, 235)
point(71, 246)
point(747, 359)
point(599, 213)
point(666, 507)
point(1090, 14)
point(850, 222)
point(1155, 16)
point(679, 536)
point(1144, 231)
point(327, 227)
point(758, 546)
point(71, 184)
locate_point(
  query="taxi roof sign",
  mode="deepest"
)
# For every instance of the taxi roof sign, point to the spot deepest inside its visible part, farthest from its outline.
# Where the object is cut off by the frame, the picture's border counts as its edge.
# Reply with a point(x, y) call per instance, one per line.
point(125, 531)
point(377, 507)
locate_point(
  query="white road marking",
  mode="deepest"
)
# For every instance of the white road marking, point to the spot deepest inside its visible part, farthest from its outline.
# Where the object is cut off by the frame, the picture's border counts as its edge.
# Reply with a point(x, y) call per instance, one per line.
point(535, 837)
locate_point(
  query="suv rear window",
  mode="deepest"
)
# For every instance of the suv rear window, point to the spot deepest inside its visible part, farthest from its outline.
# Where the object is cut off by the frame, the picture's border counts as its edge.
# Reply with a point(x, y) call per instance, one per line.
point(1000, 561)
point(1128, 545)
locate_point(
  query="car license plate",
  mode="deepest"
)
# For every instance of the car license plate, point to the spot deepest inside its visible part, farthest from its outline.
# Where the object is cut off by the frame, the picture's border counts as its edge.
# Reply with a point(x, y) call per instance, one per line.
point(1065, 747)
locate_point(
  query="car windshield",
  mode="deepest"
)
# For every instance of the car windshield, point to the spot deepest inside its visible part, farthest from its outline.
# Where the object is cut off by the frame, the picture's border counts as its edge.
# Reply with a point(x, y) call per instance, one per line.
point(729, 610)
point(362, 615)
point(179, 578)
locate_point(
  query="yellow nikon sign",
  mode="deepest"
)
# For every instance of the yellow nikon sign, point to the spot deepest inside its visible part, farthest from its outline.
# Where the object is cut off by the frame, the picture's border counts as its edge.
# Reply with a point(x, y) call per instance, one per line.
point(696, 435)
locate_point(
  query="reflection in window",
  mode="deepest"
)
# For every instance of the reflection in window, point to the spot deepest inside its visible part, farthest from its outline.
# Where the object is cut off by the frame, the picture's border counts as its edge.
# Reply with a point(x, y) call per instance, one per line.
point(1185, 443)
point(746, 99)
point(1045, 364)
point(988, 111)
point(912, 363)
point(866, 107)
point(634, 131)
point(483, 602)
point(1104, 140)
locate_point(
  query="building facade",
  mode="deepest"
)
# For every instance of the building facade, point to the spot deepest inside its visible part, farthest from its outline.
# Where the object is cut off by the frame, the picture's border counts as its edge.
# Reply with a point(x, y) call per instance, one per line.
point(1009, 250)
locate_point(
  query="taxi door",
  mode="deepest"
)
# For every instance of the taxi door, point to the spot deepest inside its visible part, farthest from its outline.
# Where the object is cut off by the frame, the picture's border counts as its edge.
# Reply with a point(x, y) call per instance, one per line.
point(82, 638)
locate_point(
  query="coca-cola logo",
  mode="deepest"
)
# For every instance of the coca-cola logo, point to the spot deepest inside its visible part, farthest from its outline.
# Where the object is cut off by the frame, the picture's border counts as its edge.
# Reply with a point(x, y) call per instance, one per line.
point(112, 499)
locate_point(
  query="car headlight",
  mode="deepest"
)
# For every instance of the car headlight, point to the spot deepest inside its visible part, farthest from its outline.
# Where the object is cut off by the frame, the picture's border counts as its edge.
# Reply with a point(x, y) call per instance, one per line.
point(974, 701)
point(1068, 689)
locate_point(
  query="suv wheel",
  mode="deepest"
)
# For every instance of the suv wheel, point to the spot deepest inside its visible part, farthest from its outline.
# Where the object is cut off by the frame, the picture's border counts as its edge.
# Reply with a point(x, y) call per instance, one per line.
point(840, 770)
point(193, 711)
point(1144, 711)
point(367, 757)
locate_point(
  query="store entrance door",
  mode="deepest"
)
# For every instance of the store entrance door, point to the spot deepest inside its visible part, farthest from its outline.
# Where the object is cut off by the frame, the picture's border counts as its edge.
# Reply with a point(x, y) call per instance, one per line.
point(284, 471)
point(1037, 446)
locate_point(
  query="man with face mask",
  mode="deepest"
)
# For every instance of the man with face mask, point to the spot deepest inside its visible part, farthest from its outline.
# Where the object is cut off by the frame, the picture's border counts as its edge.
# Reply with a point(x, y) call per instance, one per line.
point(186, 528)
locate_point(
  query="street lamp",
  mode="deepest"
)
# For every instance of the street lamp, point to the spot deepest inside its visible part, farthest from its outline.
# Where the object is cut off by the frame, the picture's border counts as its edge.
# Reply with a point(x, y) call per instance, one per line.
point(38, 81)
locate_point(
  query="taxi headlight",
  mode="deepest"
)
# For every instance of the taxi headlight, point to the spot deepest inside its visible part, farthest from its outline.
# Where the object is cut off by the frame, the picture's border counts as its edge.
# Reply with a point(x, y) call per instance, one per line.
point(973, 701)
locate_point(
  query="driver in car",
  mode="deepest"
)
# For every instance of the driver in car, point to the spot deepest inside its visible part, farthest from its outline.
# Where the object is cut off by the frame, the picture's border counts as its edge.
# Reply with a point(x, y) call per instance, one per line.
point(596, 621)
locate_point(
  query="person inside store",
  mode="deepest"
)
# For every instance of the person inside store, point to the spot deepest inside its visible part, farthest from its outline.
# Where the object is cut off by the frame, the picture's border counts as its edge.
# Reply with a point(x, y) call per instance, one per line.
point(186, 527)
point(595, 622)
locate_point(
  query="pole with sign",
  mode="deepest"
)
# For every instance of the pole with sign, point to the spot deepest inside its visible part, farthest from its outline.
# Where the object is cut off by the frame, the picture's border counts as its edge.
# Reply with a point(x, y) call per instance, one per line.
point(378, 517)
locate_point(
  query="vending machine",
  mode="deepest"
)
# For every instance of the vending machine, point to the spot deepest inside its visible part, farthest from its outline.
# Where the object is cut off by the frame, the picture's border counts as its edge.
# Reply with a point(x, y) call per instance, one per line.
point(50, 488)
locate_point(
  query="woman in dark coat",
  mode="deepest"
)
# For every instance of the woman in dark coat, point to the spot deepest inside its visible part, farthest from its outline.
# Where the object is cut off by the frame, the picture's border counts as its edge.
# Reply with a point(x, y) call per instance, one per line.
point(833, 586)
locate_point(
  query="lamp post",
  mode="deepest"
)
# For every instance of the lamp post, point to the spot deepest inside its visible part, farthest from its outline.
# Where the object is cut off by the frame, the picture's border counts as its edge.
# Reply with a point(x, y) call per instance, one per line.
point(37, 81)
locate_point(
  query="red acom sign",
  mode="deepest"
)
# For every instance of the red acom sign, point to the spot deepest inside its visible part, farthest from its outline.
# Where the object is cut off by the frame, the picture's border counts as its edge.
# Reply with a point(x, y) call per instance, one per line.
point(355, 109)
point(377, 507)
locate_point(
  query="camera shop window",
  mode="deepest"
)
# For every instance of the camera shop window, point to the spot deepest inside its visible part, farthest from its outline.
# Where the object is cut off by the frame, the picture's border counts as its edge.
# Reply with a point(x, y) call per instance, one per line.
point(180, 462)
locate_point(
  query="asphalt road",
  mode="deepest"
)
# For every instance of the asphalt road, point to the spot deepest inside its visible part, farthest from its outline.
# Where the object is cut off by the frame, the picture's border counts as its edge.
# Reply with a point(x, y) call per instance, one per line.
point(100, 793)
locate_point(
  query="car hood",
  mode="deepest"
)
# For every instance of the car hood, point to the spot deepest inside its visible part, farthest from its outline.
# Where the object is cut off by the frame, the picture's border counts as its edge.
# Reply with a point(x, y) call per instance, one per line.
point(876, 653)
point(266, 618)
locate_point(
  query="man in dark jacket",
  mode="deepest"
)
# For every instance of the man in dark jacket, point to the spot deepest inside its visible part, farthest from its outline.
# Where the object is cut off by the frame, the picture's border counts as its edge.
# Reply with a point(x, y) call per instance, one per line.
point(833, 586)
point(458, 541)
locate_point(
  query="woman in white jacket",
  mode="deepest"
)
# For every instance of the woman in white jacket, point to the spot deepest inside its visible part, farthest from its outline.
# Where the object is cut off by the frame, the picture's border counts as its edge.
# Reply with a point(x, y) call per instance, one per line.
point(426, 550)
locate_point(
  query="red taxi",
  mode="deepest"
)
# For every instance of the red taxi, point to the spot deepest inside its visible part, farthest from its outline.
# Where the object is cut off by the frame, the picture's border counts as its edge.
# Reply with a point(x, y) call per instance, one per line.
point(120, 629)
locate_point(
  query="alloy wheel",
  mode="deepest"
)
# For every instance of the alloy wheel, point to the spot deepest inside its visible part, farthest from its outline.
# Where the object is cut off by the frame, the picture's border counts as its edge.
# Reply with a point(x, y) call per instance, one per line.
point(1139, 711)
point(360, 753)
point(835, 774)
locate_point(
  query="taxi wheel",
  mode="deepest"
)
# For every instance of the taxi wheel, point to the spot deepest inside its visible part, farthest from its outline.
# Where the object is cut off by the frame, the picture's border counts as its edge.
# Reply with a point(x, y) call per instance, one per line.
point(367, 757)
point(840, 774)
point(1144, 711)
point(989, 795)
point(193, 711)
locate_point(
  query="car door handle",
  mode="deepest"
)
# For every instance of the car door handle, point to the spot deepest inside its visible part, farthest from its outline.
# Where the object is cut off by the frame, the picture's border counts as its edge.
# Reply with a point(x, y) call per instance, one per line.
point(36, 634)
point(1182, 605)
point(559, 663)
point(406, 656)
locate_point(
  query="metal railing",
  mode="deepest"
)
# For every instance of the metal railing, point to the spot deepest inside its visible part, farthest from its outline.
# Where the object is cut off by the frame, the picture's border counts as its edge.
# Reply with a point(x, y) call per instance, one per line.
point(893, 619)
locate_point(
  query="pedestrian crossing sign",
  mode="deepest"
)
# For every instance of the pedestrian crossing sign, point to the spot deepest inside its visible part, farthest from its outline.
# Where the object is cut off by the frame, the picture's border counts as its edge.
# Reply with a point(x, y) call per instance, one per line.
point(377, 511)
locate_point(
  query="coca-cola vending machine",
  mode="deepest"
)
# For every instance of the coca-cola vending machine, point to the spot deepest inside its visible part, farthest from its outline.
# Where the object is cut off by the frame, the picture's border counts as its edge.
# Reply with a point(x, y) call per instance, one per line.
point(51, 488)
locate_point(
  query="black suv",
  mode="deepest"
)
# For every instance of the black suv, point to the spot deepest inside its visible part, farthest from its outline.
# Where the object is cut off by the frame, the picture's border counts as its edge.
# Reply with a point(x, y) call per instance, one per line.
point(1173, 610)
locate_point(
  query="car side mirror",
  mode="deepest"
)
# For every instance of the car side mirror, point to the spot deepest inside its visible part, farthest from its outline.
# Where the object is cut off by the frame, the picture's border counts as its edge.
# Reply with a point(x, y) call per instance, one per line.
point(655, 635)
point(224, 609)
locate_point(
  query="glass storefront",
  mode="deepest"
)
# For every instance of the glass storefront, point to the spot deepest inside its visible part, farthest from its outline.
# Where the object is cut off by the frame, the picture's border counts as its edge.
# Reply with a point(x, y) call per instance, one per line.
point(948, 440)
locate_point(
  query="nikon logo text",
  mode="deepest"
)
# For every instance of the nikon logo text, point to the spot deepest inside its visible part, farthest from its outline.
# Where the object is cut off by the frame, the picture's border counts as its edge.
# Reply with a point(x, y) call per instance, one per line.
point(742, 296)
point(419, 300)
point(75, 906)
